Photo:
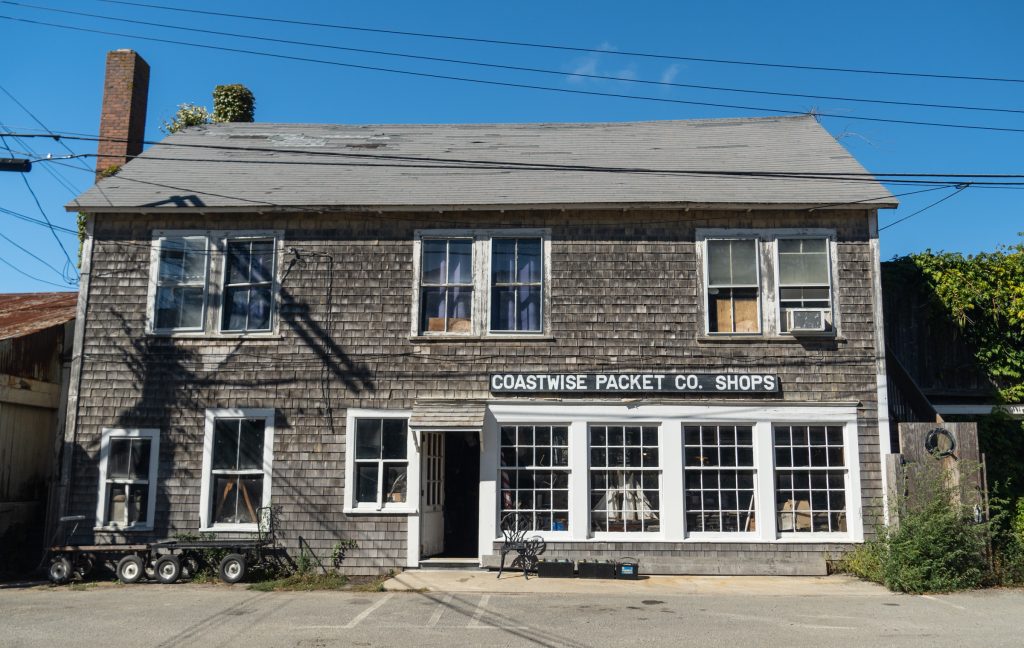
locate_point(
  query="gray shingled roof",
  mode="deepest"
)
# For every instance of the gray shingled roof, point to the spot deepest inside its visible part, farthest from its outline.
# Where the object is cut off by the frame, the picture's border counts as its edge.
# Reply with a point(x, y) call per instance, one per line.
point(471, 165)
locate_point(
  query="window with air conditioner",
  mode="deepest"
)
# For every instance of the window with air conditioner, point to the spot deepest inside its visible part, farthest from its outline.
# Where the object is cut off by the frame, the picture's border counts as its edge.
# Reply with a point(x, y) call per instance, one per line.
point(805, 286)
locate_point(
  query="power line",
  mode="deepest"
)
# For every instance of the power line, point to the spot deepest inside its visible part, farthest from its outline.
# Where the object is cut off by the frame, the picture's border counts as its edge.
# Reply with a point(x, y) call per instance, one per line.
point(516, 68)
point(36, 221)
point(34, 118)
point(32, 277)
point(42, 211)
point(392, 160)
point(923, 209)
point(509, 84)
point(31, 254)
point(491, 41)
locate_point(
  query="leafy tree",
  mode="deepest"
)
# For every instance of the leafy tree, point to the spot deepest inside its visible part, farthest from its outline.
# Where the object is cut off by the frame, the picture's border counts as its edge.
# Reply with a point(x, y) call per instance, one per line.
point(231, 103)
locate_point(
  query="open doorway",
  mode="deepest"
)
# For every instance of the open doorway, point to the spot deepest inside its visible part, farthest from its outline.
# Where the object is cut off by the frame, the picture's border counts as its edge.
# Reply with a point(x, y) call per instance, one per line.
point(450, 496)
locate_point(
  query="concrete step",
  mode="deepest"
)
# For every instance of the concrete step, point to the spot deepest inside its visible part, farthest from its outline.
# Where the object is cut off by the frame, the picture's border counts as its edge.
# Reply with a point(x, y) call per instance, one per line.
point(441, 562)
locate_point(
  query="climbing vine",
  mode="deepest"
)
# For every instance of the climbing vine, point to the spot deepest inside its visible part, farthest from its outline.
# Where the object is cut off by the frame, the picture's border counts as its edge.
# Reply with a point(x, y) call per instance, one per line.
point(984, 295)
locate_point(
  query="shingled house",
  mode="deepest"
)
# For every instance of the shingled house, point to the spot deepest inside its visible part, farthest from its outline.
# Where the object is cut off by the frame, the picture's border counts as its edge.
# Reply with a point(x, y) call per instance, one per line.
point(400, 334)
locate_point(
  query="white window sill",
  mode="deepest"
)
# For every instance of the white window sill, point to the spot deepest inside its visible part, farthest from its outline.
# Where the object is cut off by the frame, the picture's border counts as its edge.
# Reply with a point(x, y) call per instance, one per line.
point(121, 529)
point(260, 335)
point(804, 537)
point(514, 337)
point(231, 528)
point(387, 510)
point(757, 338)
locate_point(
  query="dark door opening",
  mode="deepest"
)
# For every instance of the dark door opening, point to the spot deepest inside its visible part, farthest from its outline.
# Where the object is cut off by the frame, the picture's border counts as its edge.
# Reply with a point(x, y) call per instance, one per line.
point(461, 494)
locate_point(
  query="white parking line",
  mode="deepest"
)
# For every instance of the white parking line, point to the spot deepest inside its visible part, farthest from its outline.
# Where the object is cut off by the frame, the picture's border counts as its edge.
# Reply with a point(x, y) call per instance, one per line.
point(436, 616)
point(938, 600)
point(368, 611)
point(475, 622)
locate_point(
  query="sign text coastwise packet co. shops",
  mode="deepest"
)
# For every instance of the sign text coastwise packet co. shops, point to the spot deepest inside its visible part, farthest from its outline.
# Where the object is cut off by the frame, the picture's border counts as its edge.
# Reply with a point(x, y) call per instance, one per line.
point(610, 383)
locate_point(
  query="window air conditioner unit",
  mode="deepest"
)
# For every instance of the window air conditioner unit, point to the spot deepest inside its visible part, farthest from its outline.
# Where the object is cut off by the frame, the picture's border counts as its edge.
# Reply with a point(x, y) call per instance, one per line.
point(808, 320)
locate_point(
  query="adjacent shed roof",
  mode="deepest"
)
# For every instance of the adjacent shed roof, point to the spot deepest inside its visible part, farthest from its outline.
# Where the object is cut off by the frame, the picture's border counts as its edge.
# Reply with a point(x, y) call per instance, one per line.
point(293, 166)
point(24, 313)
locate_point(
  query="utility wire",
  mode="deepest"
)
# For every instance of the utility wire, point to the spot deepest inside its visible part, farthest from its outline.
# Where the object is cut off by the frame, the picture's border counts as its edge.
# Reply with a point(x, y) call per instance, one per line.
point(35, 119)
point(490, 41)
point(529, 166)
point(923, 209)
point(32, 277)
point(509, 84)
point(58, 177)
point(42, 211)
point(29, 219)
point(31, 254)
point(516, 68)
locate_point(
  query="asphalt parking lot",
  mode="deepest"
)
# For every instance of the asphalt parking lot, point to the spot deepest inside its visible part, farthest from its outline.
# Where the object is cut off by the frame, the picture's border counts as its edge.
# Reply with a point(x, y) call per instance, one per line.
point(114, 616)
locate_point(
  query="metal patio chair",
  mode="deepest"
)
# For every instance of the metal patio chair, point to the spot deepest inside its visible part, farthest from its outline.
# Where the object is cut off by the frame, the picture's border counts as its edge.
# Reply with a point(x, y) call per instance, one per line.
point(513, 530)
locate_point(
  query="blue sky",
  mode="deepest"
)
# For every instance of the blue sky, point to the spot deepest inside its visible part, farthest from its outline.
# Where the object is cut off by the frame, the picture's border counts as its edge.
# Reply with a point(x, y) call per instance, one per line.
point(58, 75)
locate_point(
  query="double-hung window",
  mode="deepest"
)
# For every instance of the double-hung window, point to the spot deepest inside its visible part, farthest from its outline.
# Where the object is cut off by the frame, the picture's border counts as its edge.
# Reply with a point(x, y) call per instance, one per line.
point(181, 284)
point(237, 458)
point(128, 469)
point(535, 475)
point(718, 475)
point(517, 284)
point(446, 285)
point(247, 300)
point(480, 282)
point(624, 478)
point(381, 462)
point(213, 283)
point(810, 478)
point(804, 281)
point(733, 286)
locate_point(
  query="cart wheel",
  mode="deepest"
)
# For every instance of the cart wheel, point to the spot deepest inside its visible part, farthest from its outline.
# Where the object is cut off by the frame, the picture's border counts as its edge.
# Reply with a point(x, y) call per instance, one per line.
point(168, 569)
point(84, 566)
point(130, 569)
point(60, 570)
point(232, 568)
point(189, 567)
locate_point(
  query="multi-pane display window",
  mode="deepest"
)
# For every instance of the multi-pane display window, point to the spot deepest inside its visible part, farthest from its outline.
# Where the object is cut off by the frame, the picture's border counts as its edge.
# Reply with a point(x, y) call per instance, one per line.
point(181, 284)
point(718, 477)
point(248, 285)
point(804, 281)
point(516, 284)
point(535, 474)
point(381, 463)
point(127, 482)
point(624, 478)
point(732, 286)
point(237, 470)
point(810, 478)
point(446, 286)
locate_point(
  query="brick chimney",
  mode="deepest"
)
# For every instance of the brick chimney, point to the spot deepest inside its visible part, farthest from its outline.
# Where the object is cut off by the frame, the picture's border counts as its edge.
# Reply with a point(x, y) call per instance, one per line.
point(123, 117)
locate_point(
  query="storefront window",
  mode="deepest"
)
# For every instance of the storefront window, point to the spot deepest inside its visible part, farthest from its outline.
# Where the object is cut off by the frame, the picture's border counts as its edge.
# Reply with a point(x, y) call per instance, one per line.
point(535, 474)
point(719, 478)
point(624, 478)
point(810, 478)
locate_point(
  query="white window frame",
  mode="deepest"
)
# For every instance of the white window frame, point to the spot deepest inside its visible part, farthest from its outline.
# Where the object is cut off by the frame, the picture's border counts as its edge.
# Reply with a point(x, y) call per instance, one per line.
point(153, 435)
point(671, 419)
point(634, 536)
point(707, 288)
point(769, 307)
point(850, 454)
point(213, 294)
point(412, 453)
point(568, 469)
point(481, 317)
point(205, 503)
point(830, 252)
point(758, 469)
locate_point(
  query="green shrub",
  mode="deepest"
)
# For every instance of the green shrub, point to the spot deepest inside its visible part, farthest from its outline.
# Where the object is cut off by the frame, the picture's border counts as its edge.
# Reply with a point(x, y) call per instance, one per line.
point(865, 561)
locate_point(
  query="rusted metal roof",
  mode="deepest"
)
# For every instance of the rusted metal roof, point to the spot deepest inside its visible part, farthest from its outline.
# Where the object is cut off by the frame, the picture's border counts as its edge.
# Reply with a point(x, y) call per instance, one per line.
point(24, 313)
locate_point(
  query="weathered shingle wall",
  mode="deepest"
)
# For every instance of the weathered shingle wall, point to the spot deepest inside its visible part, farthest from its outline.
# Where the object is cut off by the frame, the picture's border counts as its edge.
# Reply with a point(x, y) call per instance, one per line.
point(623, 296)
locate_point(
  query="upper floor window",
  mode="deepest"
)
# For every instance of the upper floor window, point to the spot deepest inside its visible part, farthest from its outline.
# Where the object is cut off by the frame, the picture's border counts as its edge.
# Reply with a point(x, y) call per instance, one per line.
point(477, 282)
point(128, 469)
point(732, 286)
point(181, 286)
point(213, 282)
point(790, 270)
point(805, 286)
point(446, 285)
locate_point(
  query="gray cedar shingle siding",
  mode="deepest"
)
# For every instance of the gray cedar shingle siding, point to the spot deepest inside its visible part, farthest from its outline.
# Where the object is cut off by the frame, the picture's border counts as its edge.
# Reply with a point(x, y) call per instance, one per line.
point(463, 165)
point(623, 288)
